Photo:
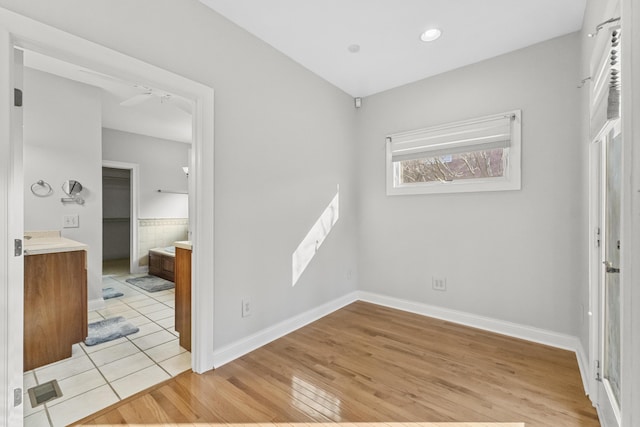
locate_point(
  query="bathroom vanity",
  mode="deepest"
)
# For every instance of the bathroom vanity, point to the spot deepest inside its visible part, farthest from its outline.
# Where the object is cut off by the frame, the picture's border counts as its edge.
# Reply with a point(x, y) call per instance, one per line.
point(183, 293)
point(55, 297)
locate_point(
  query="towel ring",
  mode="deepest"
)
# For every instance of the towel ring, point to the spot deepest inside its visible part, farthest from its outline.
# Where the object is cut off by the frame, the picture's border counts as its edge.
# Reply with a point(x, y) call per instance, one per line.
point(41, 189)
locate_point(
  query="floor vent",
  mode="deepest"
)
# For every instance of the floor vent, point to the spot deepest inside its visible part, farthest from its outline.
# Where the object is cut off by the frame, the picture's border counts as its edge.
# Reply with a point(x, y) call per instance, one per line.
point(43, 393)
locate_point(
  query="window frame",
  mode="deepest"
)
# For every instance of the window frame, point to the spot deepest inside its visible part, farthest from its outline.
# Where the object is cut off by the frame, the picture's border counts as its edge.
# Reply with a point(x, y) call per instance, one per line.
point(512, 173)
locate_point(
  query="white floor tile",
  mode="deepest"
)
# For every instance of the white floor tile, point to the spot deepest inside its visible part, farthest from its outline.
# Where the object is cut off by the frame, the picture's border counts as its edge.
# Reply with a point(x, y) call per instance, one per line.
point(167, 323)
point(165, 298)
point(27, 408)
point(141, 303)
point(165, 351)
point(107, 313)
point(94, 316)
point(138, 381)
point(139, 320)
point(153, 340)
point(39, 419)
point(81, 406)
point(177, 364)
point(28, 380)
point(161, 293)
point(156, 306)
point(62, 370)
point(162, 314)
point(171, 303)
point(113, 353)
point(146, 329)
point(93, 348)
point(134, 297)
point(77, 385)
point(125, 366)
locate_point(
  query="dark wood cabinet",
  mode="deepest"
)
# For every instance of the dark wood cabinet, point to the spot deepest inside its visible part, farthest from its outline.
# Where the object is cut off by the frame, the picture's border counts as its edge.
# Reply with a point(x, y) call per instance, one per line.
point(162, 265)
point(55, 306)
point(183, 297)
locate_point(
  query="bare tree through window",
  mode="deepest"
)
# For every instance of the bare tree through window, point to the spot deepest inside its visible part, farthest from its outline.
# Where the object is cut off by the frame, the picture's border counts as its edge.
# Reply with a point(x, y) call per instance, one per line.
point(472, 165)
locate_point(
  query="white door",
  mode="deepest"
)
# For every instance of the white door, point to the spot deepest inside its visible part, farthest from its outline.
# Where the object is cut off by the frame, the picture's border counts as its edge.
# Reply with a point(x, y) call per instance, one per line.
point(609, 384)
point(11, 202)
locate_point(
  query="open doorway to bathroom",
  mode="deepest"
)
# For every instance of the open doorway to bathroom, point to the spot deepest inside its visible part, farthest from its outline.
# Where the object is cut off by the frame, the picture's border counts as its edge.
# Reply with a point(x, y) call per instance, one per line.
point(135, 202)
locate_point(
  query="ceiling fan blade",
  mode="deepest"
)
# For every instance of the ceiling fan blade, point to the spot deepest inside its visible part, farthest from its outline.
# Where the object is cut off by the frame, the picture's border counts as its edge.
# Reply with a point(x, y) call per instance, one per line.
point(136, 99)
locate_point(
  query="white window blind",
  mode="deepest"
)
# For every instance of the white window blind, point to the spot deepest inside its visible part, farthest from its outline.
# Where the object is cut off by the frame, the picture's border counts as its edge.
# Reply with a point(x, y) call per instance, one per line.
point(605, 71)
point(480, 134)
point(449, 158)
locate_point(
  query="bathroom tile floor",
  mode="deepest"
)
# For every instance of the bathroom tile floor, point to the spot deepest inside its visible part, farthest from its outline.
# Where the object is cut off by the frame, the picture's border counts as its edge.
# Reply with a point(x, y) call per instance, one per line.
point(98, 376)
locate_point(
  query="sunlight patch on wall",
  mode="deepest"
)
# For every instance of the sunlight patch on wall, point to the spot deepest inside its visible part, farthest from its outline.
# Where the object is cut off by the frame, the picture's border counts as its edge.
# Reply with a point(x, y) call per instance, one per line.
point(307, 249)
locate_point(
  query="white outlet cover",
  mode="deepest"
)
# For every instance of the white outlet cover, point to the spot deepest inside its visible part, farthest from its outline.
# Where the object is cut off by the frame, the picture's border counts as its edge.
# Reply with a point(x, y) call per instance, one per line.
point(246, 307)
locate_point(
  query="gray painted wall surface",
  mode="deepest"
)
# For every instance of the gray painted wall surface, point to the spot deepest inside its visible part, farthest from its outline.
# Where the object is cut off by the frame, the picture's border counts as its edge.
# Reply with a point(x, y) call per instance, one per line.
point(510, 255)
point(284, 140)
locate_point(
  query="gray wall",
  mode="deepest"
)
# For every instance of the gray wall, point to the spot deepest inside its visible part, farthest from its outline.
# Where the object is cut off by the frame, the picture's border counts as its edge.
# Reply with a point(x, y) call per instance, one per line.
point(160, 163)
point(62, 141)
point(510, 255)
point(284, 140)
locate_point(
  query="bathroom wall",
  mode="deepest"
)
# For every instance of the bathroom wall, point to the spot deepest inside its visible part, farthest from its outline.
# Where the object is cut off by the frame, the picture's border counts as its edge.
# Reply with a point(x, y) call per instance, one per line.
point(160, 166)
point(62, 122)
point(162, 217)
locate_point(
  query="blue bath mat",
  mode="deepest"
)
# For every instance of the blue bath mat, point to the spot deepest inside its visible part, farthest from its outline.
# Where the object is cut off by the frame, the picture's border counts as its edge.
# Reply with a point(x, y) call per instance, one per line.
point(108, 330)
point(151, 283)
point(108, 293)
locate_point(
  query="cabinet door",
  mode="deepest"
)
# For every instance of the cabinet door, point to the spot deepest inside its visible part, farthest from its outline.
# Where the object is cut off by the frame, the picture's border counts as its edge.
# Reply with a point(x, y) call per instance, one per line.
point(55, 306)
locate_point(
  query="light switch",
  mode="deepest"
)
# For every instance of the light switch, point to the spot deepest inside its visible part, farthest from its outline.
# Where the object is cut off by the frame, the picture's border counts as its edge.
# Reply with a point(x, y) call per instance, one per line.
point(70, 221)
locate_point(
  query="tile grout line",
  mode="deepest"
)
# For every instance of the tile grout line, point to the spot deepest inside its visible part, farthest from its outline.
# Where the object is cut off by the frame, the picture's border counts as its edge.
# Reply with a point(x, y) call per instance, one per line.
point(101, 374)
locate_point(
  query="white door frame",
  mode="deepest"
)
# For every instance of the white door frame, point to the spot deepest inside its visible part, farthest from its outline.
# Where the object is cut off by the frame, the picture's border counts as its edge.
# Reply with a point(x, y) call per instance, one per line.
point(608, 414)
point(134, 169)
point(11, 208)
point(17, 30)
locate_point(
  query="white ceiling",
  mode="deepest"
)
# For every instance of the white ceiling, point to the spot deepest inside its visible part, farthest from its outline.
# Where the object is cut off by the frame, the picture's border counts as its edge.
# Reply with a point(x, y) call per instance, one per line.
point(166, 118)
point(317, 33)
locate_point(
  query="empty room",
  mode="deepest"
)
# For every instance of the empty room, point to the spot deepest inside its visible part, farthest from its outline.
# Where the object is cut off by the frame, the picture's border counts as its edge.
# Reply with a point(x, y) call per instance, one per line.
point(423, 212)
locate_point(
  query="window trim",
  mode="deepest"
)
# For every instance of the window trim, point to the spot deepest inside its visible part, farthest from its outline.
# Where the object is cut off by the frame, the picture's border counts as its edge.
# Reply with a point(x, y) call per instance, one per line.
point(512, 173)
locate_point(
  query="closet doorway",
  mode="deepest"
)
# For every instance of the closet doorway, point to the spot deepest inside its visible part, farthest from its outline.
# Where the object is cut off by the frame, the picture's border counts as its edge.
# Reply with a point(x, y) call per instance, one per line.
point(119, 218)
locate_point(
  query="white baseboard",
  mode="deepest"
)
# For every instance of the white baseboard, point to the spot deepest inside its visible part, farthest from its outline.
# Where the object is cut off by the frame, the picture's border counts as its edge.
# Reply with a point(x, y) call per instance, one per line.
point(529, 333)
point(96, 304)
point(583, 364)
point(265, 336)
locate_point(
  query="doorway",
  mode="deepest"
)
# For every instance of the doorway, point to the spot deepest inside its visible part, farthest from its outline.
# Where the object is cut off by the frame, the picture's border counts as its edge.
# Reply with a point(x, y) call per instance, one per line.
point(606, 259)
point(20, 32)
point(116, 221)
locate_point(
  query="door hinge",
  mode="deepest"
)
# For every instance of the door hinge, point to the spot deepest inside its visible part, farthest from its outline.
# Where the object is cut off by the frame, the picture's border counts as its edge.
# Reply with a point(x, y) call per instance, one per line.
point(17, 247)
point(598, 237)
point(17, 397)
point(598, 377)
point(17, 97)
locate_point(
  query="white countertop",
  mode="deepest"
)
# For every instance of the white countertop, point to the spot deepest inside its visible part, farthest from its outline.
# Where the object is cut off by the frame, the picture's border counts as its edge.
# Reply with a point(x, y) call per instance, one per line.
point(185, 244)
point(47, 242)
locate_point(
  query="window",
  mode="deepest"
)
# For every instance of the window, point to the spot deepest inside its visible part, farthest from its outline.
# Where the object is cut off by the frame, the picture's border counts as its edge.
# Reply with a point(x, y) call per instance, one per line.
point(475, 155)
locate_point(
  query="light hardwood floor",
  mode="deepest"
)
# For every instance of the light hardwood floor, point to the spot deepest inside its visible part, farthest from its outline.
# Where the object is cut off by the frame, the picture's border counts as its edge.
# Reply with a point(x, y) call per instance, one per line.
point(367, 363)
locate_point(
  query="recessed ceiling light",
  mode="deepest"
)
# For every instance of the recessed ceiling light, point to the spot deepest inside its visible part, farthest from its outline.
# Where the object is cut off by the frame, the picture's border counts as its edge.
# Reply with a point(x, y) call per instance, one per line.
point(430, 35)
point(354, 48)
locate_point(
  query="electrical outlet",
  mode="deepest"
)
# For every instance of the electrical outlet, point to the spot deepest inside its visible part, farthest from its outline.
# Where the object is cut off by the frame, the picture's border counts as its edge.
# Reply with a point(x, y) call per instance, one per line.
point(247, 308)
point(70, 221)
point(439, 283)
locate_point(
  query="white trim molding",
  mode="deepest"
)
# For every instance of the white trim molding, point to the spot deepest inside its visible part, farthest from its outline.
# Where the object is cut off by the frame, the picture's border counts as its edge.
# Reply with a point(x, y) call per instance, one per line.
point(529, 333)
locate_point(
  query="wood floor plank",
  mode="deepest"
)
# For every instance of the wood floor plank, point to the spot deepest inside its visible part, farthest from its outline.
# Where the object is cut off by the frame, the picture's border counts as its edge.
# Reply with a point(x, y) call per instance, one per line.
point(371, 366)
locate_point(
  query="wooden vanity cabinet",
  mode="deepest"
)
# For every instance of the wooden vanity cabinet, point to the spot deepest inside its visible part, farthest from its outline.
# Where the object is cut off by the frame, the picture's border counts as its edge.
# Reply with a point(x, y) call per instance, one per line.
point(162, 265)
point(183, 297)
point(55, 306)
